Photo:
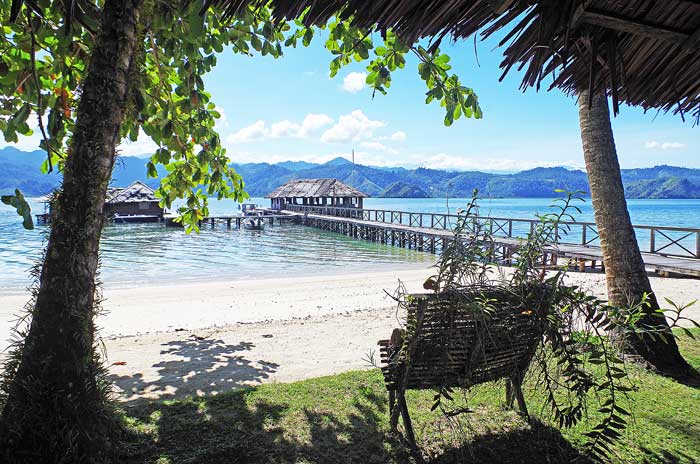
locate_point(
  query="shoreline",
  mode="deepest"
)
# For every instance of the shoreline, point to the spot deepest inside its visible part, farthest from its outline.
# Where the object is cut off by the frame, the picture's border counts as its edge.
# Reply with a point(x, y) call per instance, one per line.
point(135, 310)
point(16, 290)
point(196, 304)
point(165, 341)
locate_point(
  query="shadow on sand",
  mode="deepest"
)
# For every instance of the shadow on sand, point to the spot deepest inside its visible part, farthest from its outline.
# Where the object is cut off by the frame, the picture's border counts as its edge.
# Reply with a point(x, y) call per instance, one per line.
point(242, 426)
point(196, 366)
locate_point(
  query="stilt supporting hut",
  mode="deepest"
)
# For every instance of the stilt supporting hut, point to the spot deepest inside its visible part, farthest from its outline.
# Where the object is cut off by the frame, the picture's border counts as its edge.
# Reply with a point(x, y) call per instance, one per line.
point(316, 192)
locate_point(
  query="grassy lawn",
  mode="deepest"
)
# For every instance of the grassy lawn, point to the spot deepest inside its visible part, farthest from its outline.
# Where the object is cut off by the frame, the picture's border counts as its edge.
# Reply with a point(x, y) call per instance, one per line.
point(343, 419)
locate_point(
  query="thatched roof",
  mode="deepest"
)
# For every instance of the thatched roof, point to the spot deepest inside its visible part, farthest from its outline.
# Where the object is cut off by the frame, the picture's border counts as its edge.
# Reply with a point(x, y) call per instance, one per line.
point(642, 52)
point(315, 188)
point(136, 192)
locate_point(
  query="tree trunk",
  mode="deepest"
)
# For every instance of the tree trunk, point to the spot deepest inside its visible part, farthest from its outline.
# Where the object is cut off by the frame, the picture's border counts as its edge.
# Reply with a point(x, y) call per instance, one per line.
point(56, 408)
point(626, 276)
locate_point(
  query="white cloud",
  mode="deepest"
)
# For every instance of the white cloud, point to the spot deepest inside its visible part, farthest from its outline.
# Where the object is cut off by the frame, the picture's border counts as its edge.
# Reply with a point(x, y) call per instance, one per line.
point(24, 142)
point(256, 131)
point(285, 128)
point(144, 146)
point(354, 82)
point(28, 142)
point(353, 126)
point(313, 122)
point(461, 163)
point(377, 146)
point(222, 122)
point(398, 136)
point(654, 145)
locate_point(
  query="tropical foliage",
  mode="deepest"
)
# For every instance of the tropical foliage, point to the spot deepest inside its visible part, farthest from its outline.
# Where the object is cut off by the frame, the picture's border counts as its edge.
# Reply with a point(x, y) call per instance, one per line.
point(578, 365)
point(43, 60)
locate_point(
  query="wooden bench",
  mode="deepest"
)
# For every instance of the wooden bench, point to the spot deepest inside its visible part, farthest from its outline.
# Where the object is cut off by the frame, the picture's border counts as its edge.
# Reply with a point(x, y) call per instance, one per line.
point(457, 344)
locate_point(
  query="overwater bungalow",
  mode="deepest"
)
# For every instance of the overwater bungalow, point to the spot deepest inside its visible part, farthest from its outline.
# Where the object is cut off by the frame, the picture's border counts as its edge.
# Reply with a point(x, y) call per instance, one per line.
point(316, 192)
point(135, 203)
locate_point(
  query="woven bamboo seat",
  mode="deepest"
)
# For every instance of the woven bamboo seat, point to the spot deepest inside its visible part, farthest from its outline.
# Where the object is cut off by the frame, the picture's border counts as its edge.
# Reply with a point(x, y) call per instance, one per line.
point(456, 343)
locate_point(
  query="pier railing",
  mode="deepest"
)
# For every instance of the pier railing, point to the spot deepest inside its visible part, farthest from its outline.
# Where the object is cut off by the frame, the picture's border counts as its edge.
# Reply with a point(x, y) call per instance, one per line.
point(681, 242)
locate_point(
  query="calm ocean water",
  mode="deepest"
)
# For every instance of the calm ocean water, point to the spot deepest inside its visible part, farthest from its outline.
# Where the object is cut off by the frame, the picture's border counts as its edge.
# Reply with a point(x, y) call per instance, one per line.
point(151, 253)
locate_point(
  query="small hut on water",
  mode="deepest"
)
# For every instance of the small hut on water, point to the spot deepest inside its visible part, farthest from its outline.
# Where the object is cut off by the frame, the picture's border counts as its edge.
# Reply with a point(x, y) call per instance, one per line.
point(135, 203)
point(316, 192)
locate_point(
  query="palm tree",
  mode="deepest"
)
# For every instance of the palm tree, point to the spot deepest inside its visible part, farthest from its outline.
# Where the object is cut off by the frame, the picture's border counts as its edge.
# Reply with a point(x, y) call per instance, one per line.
point(626, 276)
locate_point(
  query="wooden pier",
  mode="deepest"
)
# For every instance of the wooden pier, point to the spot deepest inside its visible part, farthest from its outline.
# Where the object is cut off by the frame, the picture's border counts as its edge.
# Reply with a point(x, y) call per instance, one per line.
point(234, 222)
point(670, 250)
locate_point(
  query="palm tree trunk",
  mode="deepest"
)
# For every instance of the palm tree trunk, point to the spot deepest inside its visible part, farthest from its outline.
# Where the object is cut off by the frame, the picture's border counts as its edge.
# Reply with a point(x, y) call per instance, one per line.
point(55, 408)
point(626, 276)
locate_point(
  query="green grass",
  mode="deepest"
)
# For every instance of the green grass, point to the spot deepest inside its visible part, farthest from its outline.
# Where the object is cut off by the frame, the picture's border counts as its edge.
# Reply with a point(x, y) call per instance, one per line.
point(343, 419)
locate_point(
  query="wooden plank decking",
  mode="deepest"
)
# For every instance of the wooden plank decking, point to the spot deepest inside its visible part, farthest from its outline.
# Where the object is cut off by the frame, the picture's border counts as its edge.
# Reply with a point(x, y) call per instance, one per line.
point(432, 239)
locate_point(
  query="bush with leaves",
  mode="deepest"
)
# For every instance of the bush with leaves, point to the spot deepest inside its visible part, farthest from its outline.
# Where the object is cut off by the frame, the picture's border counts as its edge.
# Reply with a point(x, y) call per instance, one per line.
point(577, 363)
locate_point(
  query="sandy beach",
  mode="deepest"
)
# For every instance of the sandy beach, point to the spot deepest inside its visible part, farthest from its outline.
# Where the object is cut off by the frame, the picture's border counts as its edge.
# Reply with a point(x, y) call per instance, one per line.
point(206, 337)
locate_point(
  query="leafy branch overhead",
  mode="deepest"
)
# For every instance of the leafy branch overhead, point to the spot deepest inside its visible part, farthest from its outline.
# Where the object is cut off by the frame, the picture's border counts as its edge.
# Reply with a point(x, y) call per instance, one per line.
point(44, 57)
point(350, 44)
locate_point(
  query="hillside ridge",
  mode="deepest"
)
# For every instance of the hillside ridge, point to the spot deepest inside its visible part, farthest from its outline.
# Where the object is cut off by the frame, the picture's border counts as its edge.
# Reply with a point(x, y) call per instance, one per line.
point(22, 170)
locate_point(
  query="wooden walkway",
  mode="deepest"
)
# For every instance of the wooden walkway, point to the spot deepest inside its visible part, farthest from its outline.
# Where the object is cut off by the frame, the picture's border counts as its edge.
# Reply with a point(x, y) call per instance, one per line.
point(234, 222)
point(433, 239)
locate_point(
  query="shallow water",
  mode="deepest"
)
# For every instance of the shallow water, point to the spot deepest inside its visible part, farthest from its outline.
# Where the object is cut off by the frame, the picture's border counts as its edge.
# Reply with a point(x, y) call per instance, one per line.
point(151, 253)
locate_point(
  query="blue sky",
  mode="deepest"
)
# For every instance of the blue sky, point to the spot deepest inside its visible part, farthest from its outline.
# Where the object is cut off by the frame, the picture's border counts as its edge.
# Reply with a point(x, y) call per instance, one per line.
point(290, 109)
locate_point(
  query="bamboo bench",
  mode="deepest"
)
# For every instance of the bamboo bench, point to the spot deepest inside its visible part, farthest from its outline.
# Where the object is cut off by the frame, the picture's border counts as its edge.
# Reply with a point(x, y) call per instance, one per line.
point(455, 344)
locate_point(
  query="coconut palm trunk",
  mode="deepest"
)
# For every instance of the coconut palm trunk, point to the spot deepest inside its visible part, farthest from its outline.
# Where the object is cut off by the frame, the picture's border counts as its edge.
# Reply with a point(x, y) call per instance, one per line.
point(625, 273)
point(55, 409)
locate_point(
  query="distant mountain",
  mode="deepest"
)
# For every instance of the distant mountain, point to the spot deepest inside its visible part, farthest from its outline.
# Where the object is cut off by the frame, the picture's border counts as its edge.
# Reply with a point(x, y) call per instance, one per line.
point(22, 170)
point(664, 187)
point(296, 165)
point(338, 161)
point(403, 190)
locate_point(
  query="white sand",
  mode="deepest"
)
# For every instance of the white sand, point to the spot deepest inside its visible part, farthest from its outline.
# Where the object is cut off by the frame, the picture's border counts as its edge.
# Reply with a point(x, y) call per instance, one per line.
point(208, 337)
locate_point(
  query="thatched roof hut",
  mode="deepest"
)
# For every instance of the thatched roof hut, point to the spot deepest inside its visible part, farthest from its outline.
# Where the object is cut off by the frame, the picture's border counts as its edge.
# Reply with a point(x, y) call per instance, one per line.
point(137, 201)
point(316, 192)
point(641, 52)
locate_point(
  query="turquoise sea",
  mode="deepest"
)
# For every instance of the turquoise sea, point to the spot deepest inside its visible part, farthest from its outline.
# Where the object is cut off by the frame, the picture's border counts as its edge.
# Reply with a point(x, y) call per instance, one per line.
point(150, 253)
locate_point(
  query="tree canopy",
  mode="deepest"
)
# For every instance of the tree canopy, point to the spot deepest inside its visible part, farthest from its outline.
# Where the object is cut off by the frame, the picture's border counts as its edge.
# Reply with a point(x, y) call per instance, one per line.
point(44, 54)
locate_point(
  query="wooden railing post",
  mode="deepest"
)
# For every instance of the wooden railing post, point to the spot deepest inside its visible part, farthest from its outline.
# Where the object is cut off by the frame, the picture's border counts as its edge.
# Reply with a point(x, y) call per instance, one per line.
point(652, 240)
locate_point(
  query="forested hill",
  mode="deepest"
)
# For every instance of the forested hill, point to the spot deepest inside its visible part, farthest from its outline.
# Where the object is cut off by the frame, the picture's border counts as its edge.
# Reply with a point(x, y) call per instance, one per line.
point(21, 170)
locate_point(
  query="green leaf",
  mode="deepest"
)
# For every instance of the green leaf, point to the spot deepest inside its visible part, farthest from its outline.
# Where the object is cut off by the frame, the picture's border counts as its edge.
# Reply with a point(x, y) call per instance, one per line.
point(20, 117)
point(18, 202)
point(152, 171)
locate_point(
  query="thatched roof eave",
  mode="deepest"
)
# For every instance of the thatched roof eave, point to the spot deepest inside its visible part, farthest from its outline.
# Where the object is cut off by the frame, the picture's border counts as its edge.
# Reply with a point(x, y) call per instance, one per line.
point(315, 188)
point(641, 52)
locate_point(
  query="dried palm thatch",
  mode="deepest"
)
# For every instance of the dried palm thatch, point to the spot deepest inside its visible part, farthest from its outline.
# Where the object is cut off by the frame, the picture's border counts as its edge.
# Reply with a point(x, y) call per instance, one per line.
point(460, 338)
point(465, 337)
point(315, 188)
point(641, 52)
